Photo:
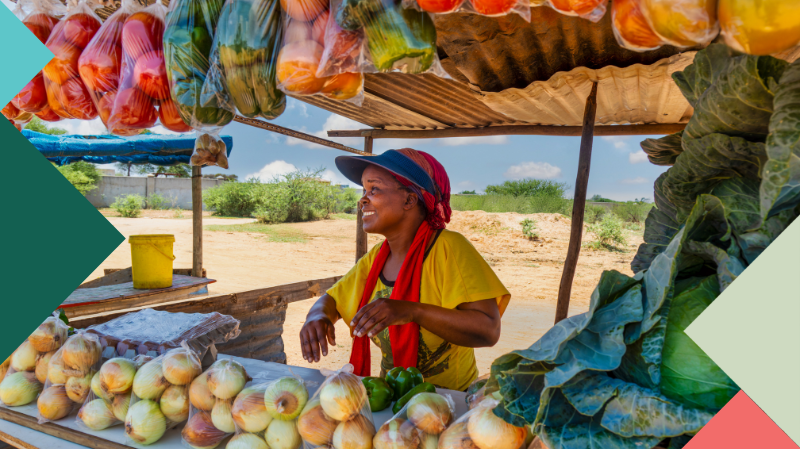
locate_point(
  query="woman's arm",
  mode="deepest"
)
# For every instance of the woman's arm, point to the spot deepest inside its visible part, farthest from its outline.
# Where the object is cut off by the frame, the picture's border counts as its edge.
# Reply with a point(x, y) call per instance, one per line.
point(318, 330)
point(473, 324)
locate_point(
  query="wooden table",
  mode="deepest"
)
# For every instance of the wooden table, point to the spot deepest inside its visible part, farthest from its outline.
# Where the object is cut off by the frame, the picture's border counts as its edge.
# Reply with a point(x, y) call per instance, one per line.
point(19, 426)
point(110, 298)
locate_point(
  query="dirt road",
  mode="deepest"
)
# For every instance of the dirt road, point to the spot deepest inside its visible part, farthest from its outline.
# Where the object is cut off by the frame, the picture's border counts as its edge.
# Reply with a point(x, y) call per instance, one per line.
point(531, 270)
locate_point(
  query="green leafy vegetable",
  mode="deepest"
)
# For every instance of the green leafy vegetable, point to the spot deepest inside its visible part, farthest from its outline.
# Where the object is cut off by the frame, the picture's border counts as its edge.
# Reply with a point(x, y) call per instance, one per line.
point(706, 67)
point(659, 229)
point(665, 150)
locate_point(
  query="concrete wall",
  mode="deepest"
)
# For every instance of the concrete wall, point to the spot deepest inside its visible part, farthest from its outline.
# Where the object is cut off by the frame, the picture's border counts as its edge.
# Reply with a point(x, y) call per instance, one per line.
point(177, 191)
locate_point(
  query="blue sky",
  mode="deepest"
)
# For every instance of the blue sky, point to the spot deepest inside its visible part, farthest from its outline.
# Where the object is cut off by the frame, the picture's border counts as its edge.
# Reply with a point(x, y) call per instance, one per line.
point(619, 170)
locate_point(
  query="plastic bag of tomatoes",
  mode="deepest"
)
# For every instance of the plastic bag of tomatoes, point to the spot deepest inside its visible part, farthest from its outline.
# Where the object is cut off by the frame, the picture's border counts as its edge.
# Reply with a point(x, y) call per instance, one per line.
point(491, 8)
point(100, 63)
point(188, 39)
point(592, 10)
point(631, 28)
point(682, 23)
point(398, 39)
point(317, 57)
point(67, 96)
point(143, 84)
point(40, 17)
point(15, 116)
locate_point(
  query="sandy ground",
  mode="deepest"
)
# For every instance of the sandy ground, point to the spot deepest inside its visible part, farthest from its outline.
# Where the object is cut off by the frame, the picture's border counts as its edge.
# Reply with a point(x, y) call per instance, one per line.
point(531, 270)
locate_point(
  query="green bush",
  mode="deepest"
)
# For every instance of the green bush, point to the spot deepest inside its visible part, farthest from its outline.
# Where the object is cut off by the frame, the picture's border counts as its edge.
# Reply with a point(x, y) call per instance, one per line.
point(609, 233)
point(600, 199)
point(529, 229)
point(157, 201)
point(632, 211)
point(82, 175)
point(593, 213)
point(529, 187)
point(239, 199)
point(347, 201)
point(509, 203)
point(467, 192)
point(129, 206)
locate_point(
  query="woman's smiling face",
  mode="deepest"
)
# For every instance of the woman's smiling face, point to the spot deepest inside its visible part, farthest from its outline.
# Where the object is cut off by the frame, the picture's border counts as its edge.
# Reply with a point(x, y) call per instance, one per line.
point(386, 204)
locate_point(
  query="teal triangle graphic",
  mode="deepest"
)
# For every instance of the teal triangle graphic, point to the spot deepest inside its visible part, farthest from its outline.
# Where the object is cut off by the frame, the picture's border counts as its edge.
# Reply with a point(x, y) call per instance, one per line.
point(23, 55)
point(52, 239)
point(752, 331)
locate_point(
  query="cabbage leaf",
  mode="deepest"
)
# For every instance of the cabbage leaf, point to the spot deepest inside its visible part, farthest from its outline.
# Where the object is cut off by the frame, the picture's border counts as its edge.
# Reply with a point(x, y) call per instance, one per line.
point(665, 150)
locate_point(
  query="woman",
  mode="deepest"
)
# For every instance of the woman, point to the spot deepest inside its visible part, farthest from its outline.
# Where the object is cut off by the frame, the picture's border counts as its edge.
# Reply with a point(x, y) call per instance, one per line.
point(424, 296)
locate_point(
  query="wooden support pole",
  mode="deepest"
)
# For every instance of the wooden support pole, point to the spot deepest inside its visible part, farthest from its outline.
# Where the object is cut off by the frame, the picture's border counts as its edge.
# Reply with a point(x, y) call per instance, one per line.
point(361, 237)
point(578, 205)
point(197, 221)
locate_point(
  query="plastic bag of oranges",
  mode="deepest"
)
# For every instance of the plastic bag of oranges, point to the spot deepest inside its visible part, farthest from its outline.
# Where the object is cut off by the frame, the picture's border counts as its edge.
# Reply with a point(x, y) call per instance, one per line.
point(760, 28)
point(631, 28)
point(40, 17)
point(318, 57)
point(682, 23)
point(67, 96)
point(592, 10)
point(143, 84)
point(15, 116)
point(491, 8)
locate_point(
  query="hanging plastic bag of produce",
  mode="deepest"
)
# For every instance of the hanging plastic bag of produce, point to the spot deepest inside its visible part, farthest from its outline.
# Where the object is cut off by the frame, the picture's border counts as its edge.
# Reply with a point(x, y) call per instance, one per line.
point(491, 8)
point(398, 39)
point(592, 10)
point(211, 397)
point(682, 23)
point(48, 115)
point(101, 62)
point(631, 28)
point(143, 79)
point(40, 17)
point(309, 37)
point(760, 28)
point(69, 376)
point(480, 428)
point(67, 95)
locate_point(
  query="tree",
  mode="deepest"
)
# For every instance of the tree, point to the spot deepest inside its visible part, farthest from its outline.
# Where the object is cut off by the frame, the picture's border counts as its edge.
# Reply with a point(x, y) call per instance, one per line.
point(179, 170)
point(528, 187)
point(82, 175)
point(468, 192)
point(38, 125)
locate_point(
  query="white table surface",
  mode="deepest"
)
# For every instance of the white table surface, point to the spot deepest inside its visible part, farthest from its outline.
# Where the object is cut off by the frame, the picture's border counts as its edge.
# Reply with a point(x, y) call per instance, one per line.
point(260, 372)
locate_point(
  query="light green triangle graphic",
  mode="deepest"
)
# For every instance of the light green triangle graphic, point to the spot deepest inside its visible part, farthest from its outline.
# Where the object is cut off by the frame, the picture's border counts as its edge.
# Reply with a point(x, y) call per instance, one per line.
point(752, 331)
point(23, 55)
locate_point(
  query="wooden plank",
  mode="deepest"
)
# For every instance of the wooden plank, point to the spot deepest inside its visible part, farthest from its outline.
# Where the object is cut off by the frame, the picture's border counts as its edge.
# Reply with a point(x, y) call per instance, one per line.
point(296, 134)
point(513, 130)
point(131, 303)
point(64, 433)
point(181, 271)
point(126, 291)
point(234, 304)
point(117, 277)
point(362, 245)
point(578, 206)
point(197, 221)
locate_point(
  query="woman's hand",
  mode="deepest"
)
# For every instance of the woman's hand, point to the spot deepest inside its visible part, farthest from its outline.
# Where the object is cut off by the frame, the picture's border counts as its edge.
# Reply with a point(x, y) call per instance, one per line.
point(319, 331)
point(381, 313)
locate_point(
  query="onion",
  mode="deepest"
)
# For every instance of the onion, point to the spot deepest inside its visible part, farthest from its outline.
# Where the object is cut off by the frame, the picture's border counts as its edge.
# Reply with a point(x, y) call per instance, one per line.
point(181, 366)
point(199, 394)
point(201, 433)
point(221, 416)
point(315, 426)
point(78, 387)
point(4, 368)
point(19, 388)
point(430, 412)
point(56, 371)
point(174, 403)
point(149, 381)
point(50, 335)
point(41, 366)
point(54, 403)
point(97, 390)
point(354, 434)
point(342, 396)
point(116, 376)
point(249, 411)
point(120, 404)
point(226, 379)
point(81, 352)
point(24, 358)
point(145, 424)
point(457, 437)
point(285, 398)
point(246, 441)
point(140, 360)
point(96, 415)
point(429, 441)
point(282, 435)
point(397, 433)
point(490, 432)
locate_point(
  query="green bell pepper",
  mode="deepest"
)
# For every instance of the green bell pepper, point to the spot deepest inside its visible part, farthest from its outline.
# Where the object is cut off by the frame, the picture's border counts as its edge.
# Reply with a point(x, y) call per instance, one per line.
point(379, 392)
point(424, 387)
point(402, 380)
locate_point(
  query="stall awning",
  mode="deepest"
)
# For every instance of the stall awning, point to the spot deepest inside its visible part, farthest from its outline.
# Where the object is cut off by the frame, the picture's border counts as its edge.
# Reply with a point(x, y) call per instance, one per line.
point(157, 149)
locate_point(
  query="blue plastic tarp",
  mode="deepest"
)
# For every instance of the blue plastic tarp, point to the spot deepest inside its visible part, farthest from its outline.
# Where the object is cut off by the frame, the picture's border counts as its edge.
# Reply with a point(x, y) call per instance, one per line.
point(157, 149)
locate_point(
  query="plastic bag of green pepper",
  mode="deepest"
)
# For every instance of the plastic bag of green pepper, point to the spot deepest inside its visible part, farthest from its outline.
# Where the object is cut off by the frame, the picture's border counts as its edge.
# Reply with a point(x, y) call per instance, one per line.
point(188, 38)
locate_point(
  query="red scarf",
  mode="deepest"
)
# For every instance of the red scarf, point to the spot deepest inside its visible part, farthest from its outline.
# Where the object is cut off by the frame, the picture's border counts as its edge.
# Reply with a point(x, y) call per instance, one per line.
point(404, 338)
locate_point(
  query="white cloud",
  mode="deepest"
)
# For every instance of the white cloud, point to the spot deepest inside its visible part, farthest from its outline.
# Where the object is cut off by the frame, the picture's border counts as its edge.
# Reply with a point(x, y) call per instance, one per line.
point(161, 130)
point(335, 178)
point(619, 142)
point(273, 169)
point(638, 157)
point(83, 127)
point(298, 105)
point(636, 180)
point(487, 140)
point(540, 170)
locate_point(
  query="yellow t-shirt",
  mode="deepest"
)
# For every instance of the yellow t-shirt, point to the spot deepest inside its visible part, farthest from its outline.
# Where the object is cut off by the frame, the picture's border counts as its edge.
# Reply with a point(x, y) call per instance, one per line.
point(453, 273)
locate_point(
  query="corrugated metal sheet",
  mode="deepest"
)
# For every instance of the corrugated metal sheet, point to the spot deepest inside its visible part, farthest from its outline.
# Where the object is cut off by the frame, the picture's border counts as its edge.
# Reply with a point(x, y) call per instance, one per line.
point(631, 95)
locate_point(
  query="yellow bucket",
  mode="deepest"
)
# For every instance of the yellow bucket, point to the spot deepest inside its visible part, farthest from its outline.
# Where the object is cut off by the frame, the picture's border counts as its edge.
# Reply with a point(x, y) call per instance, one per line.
point(152, 257)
